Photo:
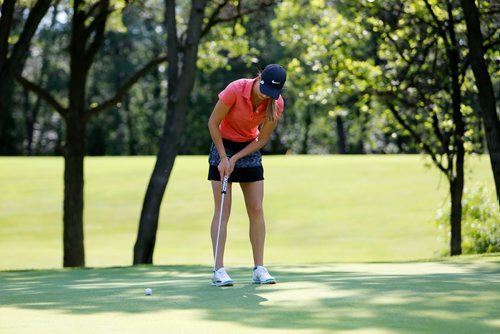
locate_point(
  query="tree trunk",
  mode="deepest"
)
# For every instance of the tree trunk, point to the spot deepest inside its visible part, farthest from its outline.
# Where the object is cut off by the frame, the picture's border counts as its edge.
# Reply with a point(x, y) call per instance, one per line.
point(74, 255)
point(456, 189)
point(457, 185)
point(307, 126)
point(457, 177)
point(31, 114)
point(12, 65)
point(148, 224)
point(486, 94)
point(87, 34)
point(341, 138)
point(7, 143)
point(362, 119)
point(6, 79)
point(131, 141)
point(179, 89)
point(457, 180)
point(29, 121)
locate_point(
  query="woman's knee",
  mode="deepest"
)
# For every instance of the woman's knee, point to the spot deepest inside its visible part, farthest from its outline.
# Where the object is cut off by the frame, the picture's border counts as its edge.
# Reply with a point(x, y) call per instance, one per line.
point(255, 209)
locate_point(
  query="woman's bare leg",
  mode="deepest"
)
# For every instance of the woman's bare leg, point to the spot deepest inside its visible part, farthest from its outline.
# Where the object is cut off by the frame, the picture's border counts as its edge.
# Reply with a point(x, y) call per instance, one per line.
point(254, 194)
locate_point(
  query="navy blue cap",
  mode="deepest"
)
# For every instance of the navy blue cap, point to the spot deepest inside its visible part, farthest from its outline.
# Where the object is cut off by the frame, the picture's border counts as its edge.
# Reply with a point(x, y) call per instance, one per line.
point(272, 80)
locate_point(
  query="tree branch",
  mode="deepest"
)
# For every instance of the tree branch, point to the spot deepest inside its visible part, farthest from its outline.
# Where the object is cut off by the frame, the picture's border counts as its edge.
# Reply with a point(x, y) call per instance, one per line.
point(396, 46)
point(193, 36)
point(173, 49)
point(41, 92)
point(212, 19)
point(120, 94)
point(491, 45)
point(492, 12)
point(95, 24)
point(464, 68)
point(92, 11)
point(438, 132)
point(216, 18)
point(37, 12)
point(99, 29)
point(439, 27)
point(5, 26)
point(417, 138)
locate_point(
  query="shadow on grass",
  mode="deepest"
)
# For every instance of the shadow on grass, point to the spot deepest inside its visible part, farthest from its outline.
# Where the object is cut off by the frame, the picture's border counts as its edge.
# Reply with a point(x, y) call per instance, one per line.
point(404, 298)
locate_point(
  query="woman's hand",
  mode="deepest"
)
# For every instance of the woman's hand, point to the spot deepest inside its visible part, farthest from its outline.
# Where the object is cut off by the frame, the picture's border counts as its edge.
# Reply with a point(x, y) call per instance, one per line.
point(225, 167)
point(232, 164)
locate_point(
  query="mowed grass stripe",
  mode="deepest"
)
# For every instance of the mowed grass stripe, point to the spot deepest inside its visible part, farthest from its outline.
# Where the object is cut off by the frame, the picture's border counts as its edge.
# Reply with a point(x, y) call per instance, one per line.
point(319, 209)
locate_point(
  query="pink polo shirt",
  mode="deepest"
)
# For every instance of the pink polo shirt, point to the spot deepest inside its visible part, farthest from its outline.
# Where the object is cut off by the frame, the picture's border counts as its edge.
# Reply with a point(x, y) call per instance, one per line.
point(241, 122)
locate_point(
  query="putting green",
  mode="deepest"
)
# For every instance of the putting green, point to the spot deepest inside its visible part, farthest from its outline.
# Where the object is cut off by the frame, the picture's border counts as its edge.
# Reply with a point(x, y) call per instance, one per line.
point(453, 296)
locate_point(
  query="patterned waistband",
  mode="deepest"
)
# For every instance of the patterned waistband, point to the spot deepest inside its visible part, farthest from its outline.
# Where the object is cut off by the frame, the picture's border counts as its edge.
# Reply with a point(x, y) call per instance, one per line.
point(252, 160)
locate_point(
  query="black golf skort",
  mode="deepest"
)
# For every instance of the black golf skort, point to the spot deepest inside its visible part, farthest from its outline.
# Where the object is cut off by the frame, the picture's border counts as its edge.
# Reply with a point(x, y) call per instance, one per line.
point(247, 169)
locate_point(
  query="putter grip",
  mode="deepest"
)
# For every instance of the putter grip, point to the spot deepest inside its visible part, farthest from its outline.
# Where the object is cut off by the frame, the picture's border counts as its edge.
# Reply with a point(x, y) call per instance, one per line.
point(224, 184)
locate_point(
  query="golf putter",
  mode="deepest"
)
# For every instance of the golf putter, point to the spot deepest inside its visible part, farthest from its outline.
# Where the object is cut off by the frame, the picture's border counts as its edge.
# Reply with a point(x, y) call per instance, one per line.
point(223, 193)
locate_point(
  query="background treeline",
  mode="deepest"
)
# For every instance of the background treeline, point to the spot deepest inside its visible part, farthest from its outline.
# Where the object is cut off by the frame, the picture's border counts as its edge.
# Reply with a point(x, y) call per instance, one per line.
point(335, 55)
point(112, 77)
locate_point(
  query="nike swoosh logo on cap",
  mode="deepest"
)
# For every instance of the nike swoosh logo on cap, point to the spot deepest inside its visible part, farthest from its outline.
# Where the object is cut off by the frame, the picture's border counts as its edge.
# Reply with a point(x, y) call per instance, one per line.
point(275, 82)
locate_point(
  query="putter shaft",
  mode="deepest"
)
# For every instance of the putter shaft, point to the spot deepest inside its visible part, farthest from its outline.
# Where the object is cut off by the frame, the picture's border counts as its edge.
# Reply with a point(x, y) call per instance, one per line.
point(223, 193)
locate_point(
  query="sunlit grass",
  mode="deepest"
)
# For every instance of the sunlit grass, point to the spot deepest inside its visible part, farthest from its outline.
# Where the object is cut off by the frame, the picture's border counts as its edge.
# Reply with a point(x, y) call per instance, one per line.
point(450, 296)
point(318, 209)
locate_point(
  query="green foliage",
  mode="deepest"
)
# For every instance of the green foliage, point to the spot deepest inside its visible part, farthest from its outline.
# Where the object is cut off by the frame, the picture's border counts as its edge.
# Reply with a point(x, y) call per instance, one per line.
point(133, 126)
point(480, 221)
point(331, 71)
point(224, 43)
point(339, 55)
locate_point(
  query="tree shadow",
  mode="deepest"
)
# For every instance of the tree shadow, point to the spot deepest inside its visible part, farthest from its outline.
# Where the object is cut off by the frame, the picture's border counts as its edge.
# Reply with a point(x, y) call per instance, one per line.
point(404, 298)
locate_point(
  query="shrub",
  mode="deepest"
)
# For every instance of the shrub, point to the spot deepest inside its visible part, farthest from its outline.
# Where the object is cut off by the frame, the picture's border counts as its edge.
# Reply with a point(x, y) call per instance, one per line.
point(480, 221)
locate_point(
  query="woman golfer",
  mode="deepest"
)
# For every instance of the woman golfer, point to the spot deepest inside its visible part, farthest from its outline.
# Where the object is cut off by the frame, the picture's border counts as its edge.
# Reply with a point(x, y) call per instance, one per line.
point(240, 125)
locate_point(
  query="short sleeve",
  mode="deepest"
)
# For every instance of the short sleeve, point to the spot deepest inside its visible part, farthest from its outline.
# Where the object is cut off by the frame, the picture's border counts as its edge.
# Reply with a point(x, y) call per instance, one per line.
point(228, 95)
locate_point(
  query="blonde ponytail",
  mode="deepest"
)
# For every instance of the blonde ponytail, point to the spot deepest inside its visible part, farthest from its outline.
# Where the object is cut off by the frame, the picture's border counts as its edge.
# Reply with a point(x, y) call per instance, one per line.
point(271, 110)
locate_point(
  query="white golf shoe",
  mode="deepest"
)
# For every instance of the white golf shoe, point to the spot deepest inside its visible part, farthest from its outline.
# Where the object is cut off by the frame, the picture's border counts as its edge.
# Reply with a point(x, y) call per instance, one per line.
point(261, 276)
point(221, 278)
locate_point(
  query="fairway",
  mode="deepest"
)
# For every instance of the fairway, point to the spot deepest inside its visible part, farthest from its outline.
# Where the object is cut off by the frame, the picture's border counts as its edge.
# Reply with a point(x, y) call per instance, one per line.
point(319, 209)
point(459, 296)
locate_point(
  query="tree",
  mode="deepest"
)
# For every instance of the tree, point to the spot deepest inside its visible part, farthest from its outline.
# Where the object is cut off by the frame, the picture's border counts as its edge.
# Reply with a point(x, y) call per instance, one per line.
point(87, 35)
point(331, 70)
point(31, 112)
point(181, 73)
point(12, 58)
point(426, 71)
point(131, 127)
point(404, 57)
point(486, 94)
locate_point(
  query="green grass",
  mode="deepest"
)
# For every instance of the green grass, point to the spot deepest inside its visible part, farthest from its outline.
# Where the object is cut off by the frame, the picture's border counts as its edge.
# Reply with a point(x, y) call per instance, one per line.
point(323, 213)
point(319, 209)
point(448, 296)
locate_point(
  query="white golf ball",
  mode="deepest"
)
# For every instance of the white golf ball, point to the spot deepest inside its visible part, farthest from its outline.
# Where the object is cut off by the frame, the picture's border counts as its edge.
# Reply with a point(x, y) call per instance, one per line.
point(148, 292)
